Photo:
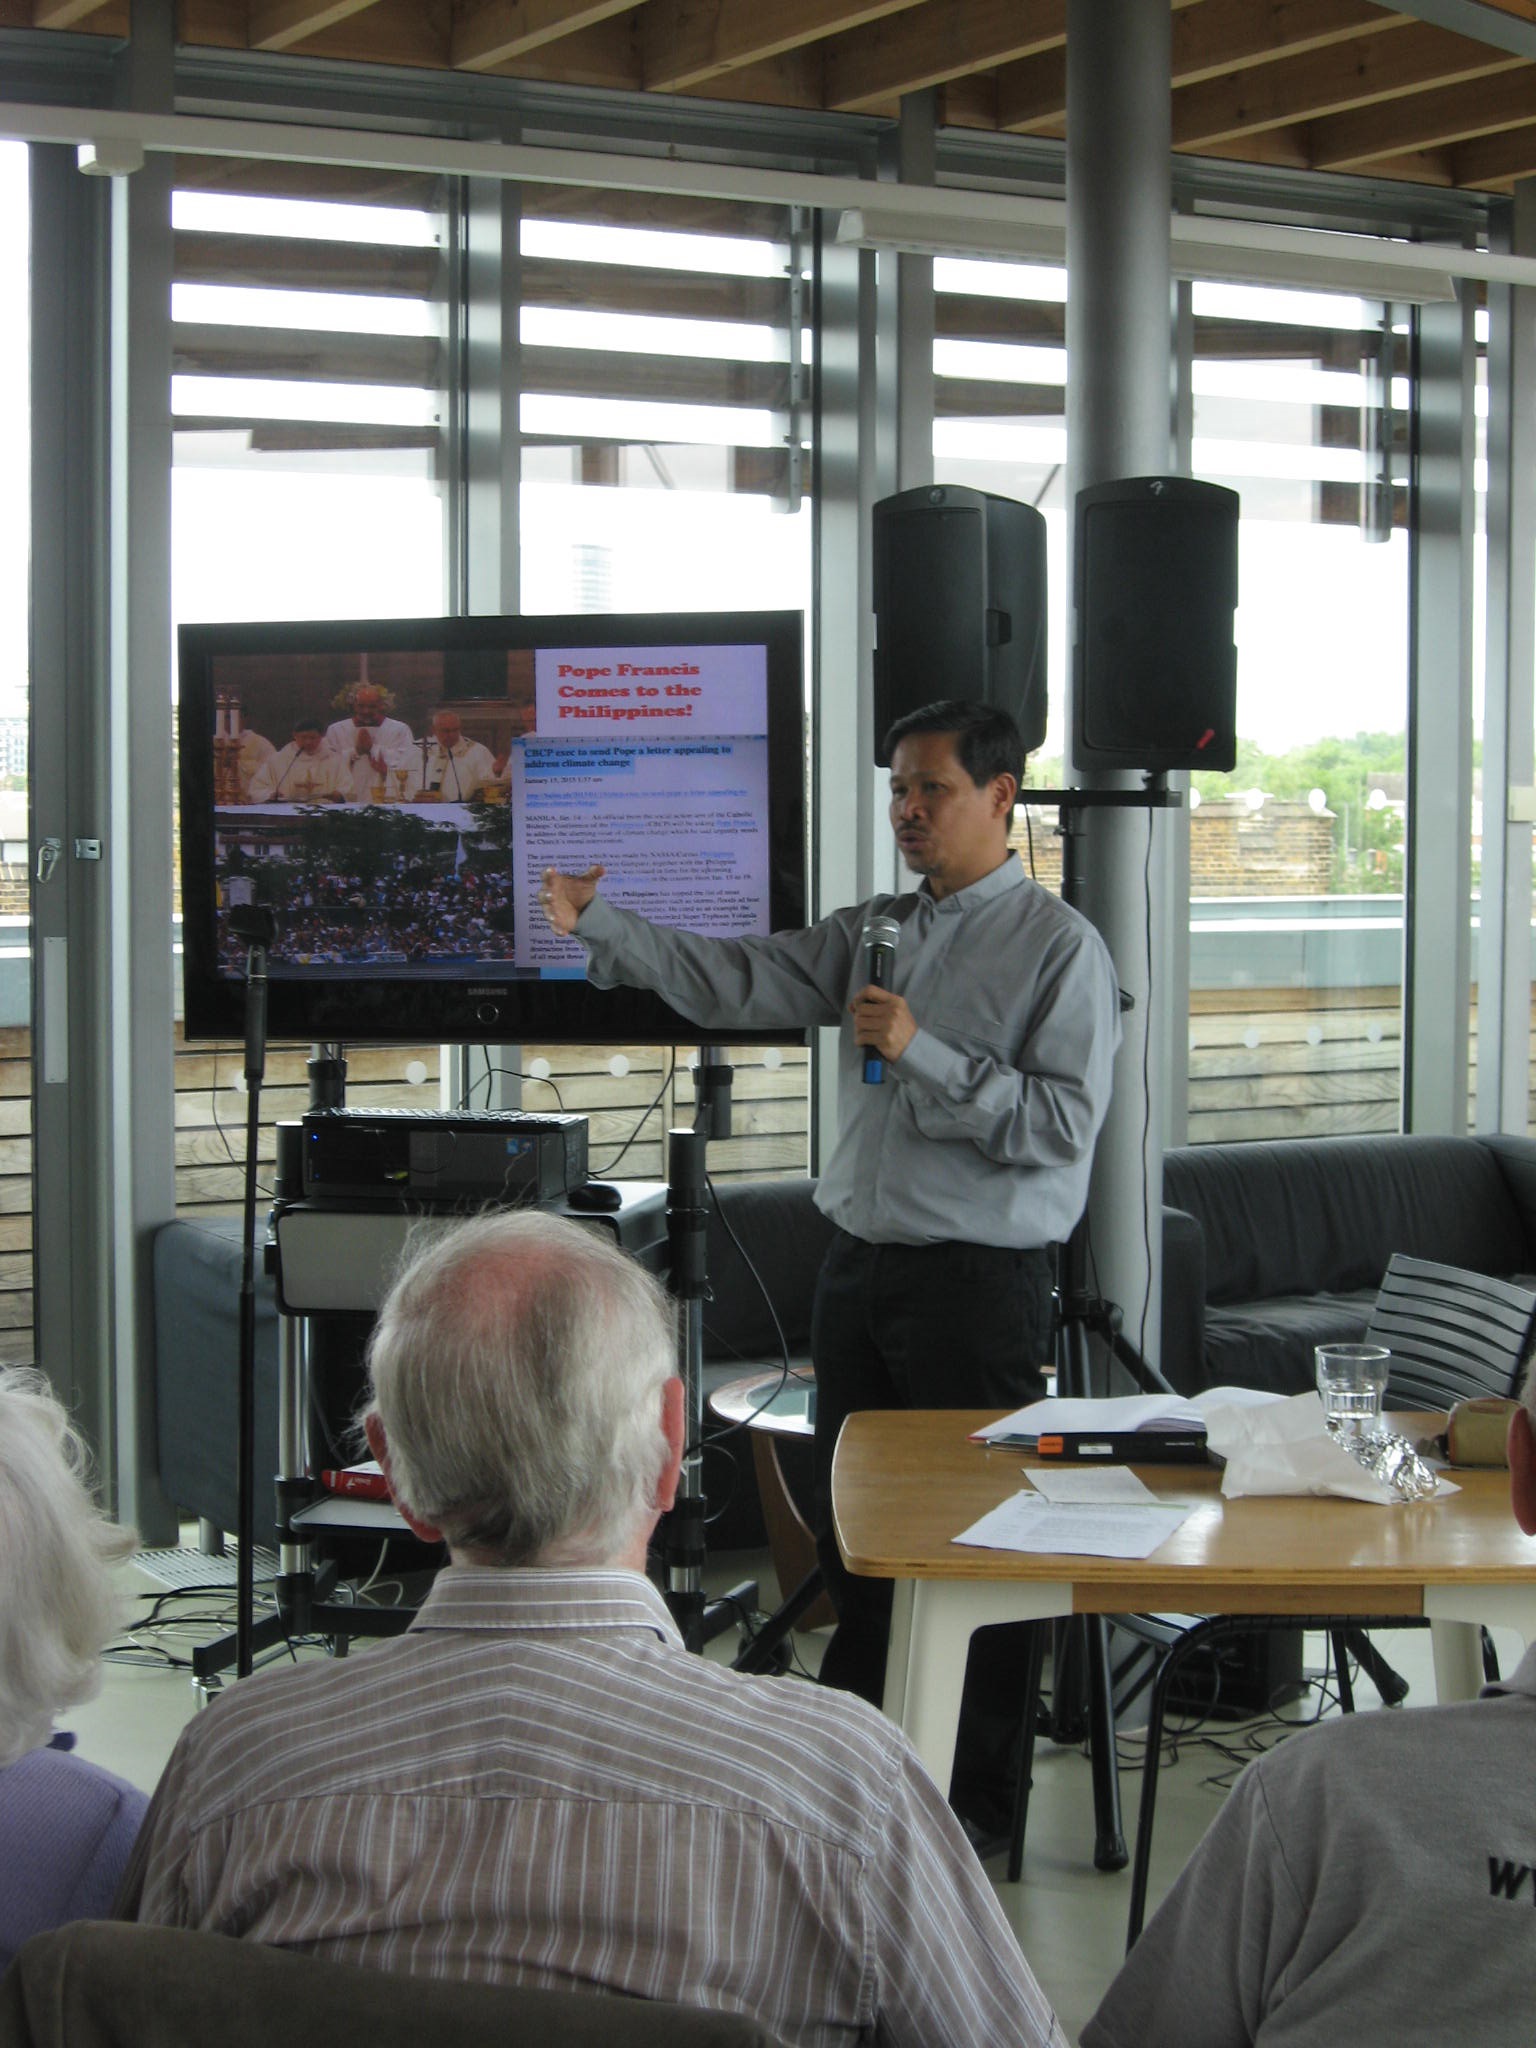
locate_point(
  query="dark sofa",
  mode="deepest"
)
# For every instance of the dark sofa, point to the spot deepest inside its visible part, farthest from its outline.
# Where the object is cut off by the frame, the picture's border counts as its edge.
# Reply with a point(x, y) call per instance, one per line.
point(1270, 1249)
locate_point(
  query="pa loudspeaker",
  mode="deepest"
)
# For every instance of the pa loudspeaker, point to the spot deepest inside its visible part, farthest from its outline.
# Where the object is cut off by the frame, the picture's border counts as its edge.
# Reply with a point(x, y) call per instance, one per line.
point(1154, 590)
point(959, 581)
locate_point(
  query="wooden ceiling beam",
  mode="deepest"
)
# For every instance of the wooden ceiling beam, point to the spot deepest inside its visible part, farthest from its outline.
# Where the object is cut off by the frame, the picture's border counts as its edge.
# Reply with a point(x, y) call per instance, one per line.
point(1426, 120)
point(685, 43)
point(869, 67)
point(63, 13)
point(1210, 40)
point(400, 32)
point(1032, 92)
point(490, 33)
point(1220, 36)
point(792, 79)
point(603, 55)
point(1493, 161)
point(279, 24)
point(1406, 59)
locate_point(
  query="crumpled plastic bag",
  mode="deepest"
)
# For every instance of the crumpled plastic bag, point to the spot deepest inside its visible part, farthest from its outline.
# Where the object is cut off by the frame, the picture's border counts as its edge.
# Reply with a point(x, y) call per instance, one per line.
point(1287, 1447)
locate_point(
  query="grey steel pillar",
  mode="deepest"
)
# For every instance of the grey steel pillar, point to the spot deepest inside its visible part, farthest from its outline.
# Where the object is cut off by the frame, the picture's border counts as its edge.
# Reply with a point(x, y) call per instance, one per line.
point(141, 1141)
point(842, 615)
point(1504, 935)
point(71, 1013)
point(1438, 921)
point(483, 573)
point(1119, 391)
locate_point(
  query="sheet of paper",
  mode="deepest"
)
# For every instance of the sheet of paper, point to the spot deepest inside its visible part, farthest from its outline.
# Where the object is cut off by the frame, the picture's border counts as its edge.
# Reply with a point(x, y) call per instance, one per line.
point(1090, 1485)
point(1130, 1411)
point(1029, 1522)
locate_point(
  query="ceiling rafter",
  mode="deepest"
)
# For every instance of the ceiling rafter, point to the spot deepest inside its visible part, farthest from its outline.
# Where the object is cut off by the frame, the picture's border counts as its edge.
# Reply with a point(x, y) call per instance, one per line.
point(1404, 59)
point(1210, 40)
point(490, 33)
point(1220, 36)
point(686, 43)
point(279, 24)
point(1495, 160)
point(64, 13)
point(870, 67)
point(1425, 120)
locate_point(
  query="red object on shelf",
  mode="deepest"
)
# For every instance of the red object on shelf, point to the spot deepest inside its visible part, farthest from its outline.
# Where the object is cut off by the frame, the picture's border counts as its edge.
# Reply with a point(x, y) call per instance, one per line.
point(362, 1482)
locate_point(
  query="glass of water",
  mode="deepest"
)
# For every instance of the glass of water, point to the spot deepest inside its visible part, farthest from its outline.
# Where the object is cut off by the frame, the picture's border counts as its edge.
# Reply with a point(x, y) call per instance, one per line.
point(1352, 1378)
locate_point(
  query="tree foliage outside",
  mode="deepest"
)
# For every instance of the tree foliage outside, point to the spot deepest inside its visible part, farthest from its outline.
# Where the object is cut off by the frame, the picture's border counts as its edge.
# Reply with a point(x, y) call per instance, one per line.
point(1367, 841)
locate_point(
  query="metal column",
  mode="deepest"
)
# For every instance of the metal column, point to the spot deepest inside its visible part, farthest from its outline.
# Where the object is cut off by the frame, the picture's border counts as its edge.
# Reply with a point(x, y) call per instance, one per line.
point(140, 1144)
point(1504, 936)
point(1438, 919)
point(1119, 385)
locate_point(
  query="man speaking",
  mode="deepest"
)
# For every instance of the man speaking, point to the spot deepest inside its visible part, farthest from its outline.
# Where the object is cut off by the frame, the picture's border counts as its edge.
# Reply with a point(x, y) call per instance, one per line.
point(974, 1073)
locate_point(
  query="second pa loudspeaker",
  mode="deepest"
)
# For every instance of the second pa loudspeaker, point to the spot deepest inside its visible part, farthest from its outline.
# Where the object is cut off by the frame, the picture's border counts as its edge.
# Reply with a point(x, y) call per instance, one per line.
point(959, 585)
point(1154, 589)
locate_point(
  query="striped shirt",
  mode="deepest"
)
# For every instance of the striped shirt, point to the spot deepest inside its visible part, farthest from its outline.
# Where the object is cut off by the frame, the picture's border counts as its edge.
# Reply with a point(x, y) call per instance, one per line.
point(536, 1784)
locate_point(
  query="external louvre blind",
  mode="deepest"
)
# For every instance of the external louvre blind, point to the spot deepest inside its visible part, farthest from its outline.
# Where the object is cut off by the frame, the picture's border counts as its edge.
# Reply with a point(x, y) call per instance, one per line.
point(308, 310)
point(661, 341)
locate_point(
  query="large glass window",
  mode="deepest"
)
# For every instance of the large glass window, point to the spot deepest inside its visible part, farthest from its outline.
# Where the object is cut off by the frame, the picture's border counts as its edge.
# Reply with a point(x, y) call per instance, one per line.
point(307, 406)
point(664, 451)
point(1296, 859)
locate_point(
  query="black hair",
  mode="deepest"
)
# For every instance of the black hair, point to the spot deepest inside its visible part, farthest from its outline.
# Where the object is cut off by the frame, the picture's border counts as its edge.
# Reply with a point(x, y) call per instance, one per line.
point(306, 725)
point(987, 741)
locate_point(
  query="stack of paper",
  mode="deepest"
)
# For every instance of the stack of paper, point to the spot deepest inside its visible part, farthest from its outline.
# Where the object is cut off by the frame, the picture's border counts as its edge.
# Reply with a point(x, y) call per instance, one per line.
point(1118, 1416)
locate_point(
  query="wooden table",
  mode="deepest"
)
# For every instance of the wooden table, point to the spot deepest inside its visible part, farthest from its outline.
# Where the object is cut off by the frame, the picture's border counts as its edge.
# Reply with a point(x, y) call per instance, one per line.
point(906, 1482)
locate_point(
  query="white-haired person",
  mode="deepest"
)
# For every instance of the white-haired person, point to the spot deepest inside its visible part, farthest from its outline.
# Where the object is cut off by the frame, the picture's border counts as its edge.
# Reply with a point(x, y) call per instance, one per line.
point(66, 1826)
point(1370, 1881)
point(536, 1784)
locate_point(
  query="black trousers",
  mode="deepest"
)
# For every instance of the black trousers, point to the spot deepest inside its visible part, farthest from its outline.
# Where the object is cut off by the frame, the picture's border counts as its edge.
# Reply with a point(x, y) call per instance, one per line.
point(913, 1326)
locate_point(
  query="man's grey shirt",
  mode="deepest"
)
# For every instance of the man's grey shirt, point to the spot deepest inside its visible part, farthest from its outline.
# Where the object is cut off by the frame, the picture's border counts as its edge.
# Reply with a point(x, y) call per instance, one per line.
point(983, 1130)
point(537, 1784)
point(1372, 1881)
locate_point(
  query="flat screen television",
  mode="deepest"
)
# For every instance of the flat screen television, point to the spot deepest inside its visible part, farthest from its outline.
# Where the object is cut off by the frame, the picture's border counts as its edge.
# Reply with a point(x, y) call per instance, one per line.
point(392, 790)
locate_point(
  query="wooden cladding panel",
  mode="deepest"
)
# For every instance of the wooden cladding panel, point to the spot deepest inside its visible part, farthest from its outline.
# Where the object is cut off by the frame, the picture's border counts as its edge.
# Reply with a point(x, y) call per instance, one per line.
point(278, 264)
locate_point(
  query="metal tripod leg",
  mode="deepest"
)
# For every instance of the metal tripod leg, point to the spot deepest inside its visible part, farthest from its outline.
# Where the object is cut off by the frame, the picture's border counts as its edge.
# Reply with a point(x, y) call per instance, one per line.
point(1109, 1851)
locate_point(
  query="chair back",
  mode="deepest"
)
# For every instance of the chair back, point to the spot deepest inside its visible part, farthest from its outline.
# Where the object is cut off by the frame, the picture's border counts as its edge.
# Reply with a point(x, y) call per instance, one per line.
point(1453, 1334)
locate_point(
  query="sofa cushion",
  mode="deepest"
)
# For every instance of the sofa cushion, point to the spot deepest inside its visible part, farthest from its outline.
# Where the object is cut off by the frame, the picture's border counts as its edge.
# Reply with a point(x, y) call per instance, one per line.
point(1269, 1343)
point(1310, 1216)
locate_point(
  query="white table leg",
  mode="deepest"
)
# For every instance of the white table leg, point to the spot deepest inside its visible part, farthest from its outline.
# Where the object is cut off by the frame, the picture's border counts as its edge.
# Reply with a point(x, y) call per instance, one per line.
point(1458, 1653)
point(898, 1655)
point(1454, 1614)
point(944, 1614)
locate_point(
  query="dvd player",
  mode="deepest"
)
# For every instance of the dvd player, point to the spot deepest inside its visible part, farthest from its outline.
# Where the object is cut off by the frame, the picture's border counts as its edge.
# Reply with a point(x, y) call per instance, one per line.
point(443, 1160)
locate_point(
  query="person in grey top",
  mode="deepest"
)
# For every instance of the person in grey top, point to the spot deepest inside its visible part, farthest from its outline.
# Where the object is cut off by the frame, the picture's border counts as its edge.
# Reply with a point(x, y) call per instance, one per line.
point(1371, 1880)
point(948, 1181)
point(537, 1784)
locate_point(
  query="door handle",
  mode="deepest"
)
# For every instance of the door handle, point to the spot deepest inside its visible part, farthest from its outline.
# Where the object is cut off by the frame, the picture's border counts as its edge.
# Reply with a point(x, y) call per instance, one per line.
point(48, 852)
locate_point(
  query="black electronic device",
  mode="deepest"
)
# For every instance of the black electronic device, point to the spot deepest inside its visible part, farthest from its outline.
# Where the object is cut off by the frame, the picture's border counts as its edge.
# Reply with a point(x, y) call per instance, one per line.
point(442, 1161)
point(596, 1196)
point(1154, 591)
point(403, 874)
point(960, 605)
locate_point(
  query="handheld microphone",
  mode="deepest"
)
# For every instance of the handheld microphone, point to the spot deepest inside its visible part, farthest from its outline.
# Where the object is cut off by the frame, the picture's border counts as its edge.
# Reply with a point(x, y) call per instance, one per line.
point(880, 936)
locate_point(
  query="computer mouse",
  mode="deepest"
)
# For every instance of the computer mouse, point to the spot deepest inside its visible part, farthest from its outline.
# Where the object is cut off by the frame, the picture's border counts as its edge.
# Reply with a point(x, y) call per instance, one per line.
point(596, 1194)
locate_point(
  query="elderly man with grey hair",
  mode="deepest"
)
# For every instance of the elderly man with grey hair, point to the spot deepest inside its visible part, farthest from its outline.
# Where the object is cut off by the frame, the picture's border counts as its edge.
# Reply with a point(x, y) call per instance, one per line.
point(1370, 1881)
point(536, 1784)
